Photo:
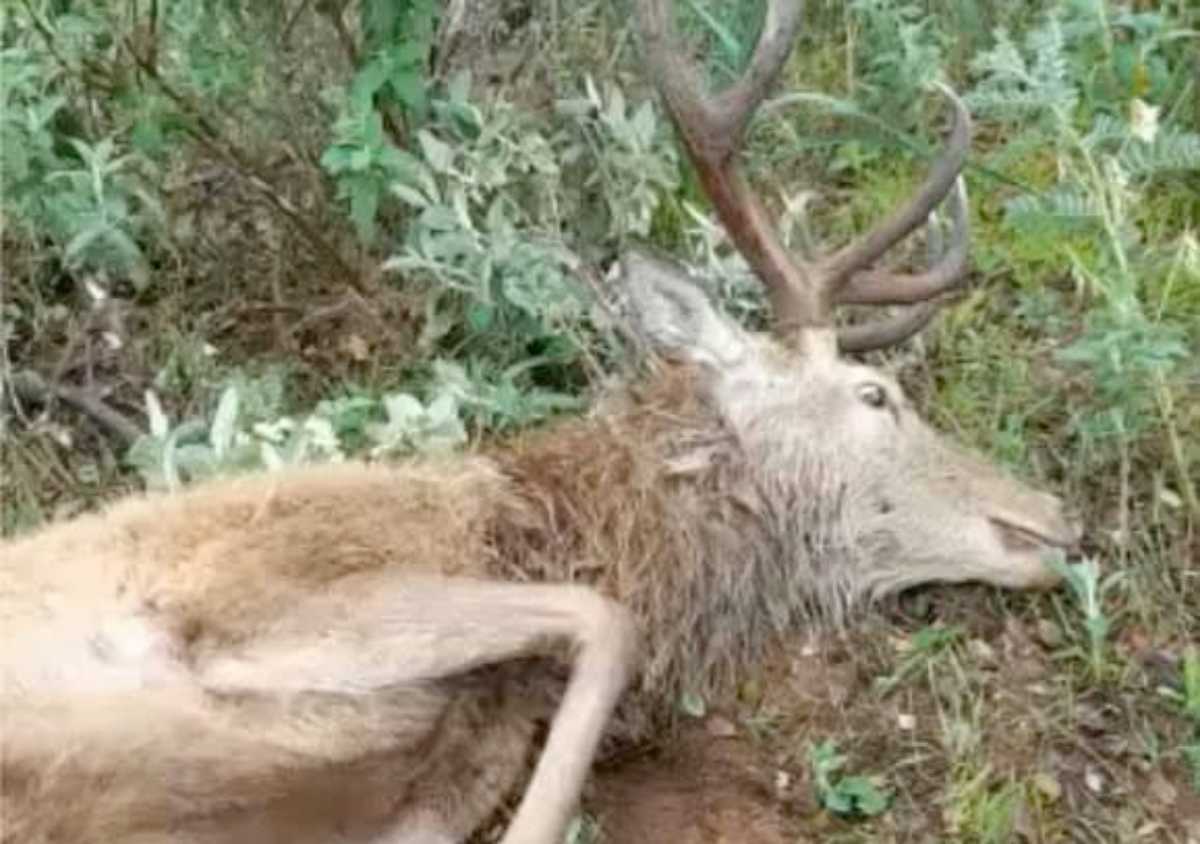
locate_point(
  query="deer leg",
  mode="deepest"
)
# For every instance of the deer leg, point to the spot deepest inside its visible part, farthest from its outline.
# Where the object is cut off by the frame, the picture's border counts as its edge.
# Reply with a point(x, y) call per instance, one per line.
point(370, 633)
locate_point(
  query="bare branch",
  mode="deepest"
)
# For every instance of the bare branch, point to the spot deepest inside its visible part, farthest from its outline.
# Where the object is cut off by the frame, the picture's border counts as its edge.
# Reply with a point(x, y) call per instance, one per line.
point(31, 387)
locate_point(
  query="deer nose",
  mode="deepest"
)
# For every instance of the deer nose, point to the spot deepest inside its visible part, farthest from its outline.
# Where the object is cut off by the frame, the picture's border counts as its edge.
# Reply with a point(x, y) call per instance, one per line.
point(1041, 520)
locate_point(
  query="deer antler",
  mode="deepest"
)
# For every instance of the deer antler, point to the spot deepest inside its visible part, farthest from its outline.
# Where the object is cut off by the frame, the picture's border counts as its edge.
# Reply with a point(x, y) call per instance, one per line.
point(804, 295)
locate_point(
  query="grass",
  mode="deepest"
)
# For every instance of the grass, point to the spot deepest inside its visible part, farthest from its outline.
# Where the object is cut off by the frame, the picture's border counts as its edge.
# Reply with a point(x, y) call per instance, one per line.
point(1021, 724)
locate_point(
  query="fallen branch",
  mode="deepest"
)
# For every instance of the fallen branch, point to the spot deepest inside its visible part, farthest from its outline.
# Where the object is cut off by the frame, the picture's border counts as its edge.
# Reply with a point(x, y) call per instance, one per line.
point(33, 388)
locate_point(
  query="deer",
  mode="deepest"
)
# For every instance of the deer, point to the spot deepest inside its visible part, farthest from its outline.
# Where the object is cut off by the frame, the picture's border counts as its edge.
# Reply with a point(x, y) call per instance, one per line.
point(396, 651)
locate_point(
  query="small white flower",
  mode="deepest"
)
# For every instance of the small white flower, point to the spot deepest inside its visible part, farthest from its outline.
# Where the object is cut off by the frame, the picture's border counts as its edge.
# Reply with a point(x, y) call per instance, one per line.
point(1143, 120)
point(96, 290)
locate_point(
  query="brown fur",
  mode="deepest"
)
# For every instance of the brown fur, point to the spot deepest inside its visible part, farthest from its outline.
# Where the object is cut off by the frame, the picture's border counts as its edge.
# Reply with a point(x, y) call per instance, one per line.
point(330, 653)
point(648, 504)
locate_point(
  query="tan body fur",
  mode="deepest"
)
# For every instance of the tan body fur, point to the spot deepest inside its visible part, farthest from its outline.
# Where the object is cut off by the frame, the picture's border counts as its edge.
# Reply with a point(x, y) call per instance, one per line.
point(156, 589)
point(115, 626)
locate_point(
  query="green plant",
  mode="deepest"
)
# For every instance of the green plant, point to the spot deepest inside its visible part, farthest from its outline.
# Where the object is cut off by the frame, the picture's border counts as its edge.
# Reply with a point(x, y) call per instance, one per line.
point(172, 455)
point(363, 163)
point(849, 796)
point(1133, 351)
point(501, 400)
point(899, 50)
point(484, 232)
point(368, 151)
point(501, 207)
point(726, 30)
point(247, 431)
point(1089, 589)
point(583, 829)
point(91, 199)
point(1188, 698)
point(411, 426)
point(620, 152)
point(926, 643)
point(983, 811)
point(398, 37)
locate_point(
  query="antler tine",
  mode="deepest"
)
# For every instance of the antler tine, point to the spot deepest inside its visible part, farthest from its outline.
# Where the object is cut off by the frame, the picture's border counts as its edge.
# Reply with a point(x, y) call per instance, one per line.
point(887, 332)
point(838, 268)
point(804, 295)
point(883, 287)
point(926, 291)
point(711, 130)
point(713, 127)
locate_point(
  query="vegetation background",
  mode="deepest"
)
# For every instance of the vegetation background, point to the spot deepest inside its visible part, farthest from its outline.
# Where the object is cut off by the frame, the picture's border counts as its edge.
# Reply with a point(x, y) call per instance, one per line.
point(243, 235)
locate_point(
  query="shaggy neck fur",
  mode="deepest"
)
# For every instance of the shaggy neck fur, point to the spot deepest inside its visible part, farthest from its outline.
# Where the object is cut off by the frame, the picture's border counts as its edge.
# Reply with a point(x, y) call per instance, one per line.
point(714, 548)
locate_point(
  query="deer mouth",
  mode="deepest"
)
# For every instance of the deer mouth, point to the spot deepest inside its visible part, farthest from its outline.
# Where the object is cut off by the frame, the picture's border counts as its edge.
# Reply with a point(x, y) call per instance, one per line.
point(1023, 538)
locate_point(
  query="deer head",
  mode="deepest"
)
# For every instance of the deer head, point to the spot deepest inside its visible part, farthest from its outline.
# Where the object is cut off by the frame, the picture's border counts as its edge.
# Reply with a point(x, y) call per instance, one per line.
point(885, 501)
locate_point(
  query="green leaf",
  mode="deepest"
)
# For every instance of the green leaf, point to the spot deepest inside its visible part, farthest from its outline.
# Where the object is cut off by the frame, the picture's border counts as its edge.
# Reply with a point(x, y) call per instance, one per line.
point(480, 316)
point(439, 155)
point(366, 83)
point(409, 195)
point(364, 203)
point(693, 704)
point(336, 159)
point(863, 796)
point(360, 160)
point(223, 430)
point(159, 426)
point(409, 88)
point(83, 240)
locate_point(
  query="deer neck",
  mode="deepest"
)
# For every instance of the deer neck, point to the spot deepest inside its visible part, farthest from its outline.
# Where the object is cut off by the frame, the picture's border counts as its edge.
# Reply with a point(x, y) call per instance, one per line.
point(651, 502)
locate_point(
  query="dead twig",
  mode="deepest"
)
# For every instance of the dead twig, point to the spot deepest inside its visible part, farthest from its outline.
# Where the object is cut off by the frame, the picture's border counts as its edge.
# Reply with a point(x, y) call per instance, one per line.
point(285, 36)
point(31, 387)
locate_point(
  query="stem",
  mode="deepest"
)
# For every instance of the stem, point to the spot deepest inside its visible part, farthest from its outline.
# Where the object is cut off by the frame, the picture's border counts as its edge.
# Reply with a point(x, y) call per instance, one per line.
point(1166, 408)
point(1124, 502)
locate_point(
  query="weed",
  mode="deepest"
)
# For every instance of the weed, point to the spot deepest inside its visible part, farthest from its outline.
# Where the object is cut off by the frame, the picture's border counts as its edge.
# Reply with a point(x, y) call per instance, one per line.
point(926, 644)
point(848, 796)
point(1089, 590)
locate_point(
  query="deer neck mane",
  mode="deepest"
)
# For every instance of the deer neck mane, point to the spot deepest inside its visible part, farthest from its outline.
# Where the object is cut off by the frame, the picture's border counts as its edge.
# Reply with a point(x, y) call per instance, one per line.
point(652, 501)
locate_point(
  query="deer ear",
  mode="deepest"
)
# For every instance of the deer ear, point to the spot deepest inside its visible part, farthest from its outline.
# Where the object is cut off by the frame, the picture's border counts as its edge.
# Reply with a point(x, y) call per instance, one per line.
point(675, 315)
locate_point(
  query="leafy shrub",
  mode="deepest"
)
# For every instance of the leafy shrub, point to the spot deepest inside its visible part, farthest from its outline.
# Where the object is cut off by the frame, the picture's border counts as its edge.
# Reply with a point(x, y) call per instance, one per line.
point(1132, 351)
point(91, 200)
point(248, 432)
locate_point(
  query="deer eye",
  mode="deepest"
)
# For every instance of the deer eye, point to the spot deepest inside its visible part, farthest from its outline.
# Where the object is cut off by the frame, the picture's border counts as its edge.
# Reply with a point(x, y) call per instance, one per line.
point(873, 395)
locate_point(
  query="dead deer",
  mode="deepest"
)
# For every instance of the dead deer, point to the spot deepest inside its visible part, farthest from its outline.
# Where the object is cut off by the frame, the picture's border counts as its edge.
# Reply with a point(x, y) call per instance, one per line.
point(362, 653)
